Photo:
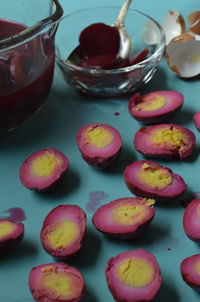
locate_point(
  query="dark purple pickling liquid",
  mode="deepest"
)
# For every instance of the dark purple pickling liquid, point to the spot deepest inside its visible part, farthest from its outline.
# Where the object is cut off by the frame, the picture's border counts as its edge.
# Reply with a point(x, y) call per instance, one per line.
point(95, 197)
point(26, 74)
point(15, 214)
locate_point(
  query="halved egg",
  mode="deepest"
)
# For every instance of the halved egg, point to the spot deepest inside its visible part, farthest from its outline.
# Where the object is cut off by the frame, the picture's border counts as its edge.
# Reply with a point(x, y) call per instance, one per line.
point(133, 276)
point(124, 218)
point(151, 180)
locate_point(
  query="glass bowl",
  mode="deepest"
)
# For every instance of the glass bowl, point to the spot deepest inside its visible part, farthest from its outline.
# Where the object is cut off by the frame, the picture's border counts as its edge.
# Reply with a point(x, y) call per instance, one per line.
point(144, 33)
point(27, 56)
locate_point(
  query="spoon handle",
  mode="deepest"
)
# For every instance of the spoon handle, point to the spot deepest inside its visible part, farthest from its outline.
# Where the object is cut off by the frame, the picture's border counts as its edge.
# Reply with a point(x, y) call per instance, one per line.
point(122, 13)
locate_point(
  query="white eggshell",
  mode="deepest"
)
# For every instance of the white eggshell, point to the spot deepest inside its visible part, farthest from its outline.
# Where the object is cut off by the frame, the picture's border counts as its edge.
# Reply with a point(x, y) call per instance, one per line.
point(173, 25)
point(194, 22)
point(183, 56)
point(150, 34)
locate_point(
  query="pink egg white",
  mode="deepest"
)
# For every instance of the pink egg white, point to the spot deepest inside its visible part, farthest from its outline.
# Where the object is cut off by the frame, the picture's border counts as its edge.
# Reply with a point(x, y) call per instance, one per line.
point(63, 231)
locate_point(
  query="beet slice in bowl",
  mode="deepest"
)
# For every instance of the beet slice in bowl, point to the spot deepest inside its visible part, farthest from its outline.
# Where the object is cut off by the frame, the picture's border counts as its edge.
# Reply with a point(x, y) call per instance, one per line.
point(63, 231)
point(11, 234)
point(99, 39)
point(133, 276)
point(151, 180)
point(140, 57)
point(191, 220)
point(165, 141)
point(100, 144)
point(190, 271)
point(102, 62)
point(43, 169)
point(56, 282)
point(155, 107)
point(124, 218)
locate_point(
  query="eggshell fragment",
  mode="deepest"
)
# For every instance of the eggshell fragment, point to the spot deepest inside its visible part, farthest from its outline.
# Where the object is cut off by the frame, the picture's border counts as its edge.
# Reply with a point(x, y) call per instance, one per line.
point(196, 119)
point(56, 282)
point(173, 25)
point(165, 141)
point(190, 271)
point(194, 22)
point(183, 56)
point(133, 276)
point(43, 169)
point(63, 231)
point(150, 33)
point(155, 107)
point(124, 218)
point(100, 144)
point(191, 220)
point(11, 234)
point(149, 179)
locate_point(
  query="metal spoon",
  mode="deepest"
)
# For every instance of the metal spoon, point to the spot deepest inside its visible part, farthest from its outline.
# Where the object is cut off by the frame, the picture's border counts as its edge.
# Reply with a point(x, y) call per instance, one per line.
point(125, 42)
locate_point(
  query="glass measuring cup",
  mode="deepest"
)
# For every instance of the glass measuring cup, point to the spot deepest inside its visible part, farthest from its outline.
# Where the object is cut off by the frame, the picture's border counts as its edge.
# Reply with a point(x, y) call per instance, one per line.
point(27, 32)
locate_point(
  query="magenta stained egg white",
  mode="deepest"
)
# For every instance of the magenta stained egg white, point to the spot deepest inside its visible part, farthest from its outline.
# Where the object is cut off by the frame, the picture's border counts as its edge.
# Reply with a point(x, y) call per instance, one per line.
point(133, 276)
point(63, 231)
point(165, 141)
point(11, 234)
point(155, 107)
point(196, 119)
point(149, 179)
point(99, 144)
point(56, 282)
point(124, 218)
point(190, 271)
point(191, 220)
point(43, 169)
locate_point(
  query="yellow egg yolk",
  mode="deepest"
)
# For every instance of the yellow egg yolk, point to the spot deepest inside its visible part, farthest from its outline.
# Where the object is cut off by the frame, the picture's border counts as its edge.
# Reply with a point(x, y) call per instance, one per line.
point(168, 137)
point(151, 102)
point(62, 234)
point(135, 272)
point(58, 282)
point(155, 178)
point(58, 285)
point(44, 165)
point(6, 228)
point(99, 137)
point(197, 267)
point(195, 58)
point(129, 214)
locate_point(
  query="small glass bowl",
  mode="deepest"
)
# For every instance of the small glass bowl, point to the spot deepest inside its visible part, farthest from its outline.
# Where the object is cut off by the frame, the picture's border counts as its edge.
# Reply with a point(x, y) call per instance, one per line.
point(144, 33)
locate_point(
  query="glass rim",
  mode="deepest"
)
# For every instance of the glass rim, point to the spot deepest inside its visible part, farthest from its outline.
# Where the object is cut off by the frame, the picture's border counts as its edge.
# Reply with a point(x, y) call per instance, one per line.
point(34, 30)
point(158, 52)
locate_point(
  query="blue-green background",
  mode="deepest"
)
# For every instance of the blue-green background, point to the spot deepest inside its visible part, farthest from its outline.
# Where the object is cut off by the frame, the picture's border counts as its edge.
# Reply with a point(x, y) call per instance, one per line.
point(56, 125)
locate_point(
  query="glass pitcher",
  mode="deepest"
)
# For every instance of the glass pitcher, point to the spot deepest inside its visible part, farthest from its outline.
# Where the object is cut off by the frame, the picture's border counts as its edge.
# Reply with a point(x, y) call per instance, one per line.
point(27, 32)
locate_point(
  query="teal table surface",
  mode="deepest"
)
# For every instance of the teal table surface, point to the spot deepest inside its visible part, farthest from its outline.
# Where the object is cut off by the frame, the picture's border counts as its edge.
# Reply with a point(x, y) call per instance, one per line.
point(56, 125)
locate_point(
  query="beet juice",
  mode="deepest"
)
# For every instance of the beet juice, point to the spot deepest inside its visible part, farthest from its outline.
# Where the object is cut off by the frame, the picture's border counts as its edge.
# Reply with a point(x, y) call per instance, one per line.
point(26, 74)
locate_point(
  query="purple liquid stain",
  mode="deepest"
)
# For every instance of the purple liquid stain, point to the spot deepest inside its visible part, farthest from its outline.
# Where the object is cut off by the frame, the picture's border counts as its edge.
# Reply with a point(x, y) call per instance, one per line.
point(117, 113)
point(15, 214)
point(95, 197)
